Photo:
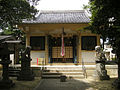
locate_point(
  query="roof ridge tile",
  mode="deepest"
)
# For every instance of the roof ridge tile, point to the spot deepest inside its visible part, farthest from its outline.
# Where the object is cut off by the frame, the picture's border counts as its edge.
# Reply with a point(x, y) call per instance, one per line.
point(61, 16)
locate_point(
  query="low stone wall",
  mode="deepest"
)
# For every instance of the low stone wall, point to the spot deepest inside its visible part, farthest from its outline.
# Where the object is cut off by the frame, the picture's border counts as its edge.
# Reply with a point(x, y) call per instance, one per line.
point(112, 70)
point(90, 71)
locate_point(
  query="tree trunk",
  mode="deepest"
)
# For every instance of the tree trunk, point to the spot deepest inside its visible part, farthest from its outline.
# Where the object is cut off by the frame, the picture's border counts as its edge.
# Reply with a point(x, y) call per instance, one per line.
point(103, 43)
point(119, 70)
point(118, 58)
point(116, 83)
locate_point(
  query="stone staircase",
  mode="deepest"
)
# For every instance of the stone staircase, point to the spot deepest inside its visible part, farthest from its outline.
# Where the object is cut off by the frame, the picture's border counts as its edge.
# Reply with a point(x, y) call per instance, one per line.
point(13, 71)
point(71, 72)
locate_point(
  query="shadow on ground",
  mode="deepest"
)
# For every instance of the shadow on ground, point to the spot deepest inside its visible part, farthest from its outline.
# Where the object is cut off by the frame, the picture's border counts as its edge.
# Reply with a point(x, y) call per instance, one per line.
point(24, 85)
point(55, 84)
point(103, 85)
point(70, 84)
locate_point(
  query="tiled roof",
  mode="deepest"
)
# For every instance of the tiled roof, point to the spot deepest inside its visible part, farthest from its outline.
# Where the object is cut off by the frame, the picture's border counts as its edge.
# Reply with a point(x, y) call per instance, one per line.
point(3, 38)
point(68, 16)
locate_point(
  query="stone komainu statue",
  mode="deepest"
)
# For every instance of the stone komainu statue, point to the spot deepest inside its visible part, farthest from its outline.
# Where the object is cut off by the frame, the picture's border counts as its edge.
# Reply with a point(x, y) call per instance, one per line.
point(26, 54)
point(26, 72)
point(100, 64)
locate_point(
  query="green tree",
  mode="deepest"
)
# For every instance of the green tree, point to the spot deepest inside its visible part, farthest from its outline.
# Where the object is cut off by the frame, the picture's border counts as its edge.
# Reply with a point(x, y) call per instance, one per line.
point(105, 20)
point(14, 11)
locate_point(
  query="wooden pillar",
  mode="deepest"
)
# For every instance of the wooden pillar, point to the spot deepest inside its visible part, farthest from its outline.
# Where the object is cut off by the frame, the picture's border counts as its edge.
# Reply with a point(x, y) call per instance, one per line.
point(27, 39)
point(75, 48)
point(16, 57)
point(46, 49)
point(98, 40)
point(27, 31)
point(80, 51)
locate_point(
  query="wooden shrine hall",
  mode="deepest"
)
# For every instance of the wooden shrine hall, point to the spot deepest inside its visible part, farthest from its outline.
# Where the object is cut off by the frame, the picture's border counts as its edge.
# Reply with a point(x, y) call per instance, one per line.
point(44, 35)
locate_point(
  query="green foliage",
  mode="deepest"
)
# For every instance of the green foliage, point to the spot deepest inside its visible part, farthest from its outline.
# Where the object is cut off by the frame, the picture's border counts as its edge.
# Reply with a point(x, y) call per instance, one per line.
point(17, 33)
point(105, 20)
point(14, 11)
point(113, 59)
point(6, 32)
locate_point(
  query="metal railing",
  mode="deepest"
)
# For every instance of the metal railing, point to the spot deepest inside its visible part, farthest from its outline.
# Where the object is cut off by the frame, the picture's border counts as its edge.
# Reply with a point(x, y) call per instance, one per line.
point(41, 61)
point(43, 64)
point(84, 69)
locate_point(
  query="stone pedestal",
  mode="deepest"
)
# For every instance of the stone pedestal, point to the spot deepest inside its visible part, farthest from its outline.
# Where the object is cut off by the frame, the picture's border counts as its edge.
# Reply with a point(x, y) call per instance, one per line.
point(25, 73)
point(63, 78)
point(5, 61)
point(101, 72)
point(5, 82)
point(116, 83)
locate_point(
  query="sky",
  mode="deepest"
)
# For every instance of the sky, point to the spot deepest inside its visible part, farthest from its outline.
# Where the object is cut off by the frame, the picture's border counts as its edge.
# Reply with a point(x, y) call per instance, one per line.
point(61, 4)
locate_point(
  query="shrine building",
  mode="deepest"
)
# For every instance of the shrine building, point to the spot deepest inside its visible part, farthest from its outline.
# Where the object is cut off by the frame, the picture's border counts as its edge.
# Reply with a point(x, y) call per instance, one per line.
point(54, 32)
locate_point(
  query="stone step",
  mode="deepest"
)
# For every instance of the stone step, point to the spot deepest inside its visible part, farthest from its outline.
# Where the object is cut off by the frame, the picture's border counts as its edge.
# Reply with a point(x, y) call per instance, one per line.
point(57, 71)
point(50, 76)
point(15, 69)
point(90, 68)
point(13, 72)
point(13, 75)
point(51, 73)
point(58, 76)
point(61, 70)
point(62, 73)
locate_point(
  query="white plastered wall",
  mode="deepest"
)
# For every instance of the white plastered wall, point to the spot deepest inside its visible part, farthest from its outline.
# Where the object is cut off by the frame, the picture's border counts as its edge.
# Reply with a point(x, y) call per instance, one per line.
point(37, 54)
point(88, 57)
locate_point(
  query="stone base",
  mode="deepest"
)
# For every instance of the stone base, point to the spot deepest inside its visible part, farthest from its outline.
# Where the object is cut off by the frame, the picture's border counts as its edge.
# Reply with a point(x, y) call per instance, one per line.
point(100, 77)
point(6, 84)
point(63, 78)
point(116, 83)
point(106, 77)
